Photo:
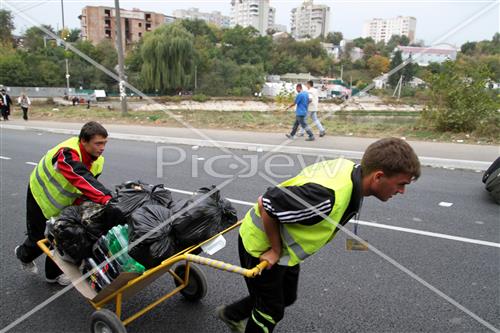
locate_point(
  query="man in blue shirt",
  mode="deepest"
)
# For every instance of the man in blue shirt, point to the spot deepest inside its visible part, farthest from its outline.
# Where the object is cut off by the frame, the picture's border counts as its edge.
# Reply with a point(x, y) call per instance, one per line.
point(302, 102)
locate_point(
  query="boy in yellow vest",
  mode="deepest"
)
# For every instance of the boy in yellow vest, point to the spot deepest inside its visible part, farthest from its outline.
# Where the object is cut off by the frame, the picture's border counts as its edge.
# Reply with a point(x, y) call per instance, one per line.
point(297, 218)
point(66, 174)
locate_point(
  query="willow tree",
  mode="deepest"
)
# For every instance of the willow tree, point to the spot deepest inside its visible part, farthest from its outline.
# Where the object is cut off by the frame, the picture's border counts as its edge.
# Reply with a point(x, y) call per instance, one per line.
point(167, 54)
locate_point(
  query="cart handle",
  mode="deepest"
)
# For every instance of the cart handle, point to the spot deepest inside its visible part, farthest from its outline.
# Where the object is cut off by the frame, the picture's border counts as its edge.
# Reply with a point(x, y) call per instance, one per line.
point(250, 273)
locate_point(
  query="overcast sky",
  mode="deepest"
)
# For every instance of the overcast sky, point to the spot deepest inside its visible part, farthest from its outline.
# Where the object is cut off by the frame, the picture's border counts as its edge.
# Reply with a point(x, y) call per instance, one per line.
point(435, 19)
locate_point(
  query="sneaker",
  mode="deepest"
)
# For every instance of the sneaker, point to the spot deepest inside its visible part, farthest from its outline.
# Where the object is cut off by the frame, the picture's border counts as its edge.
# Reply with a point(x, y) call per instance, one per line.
point(322, 134)
point(234, 326)
point(291, 137)
point(311, 138)
point(300, 134)
point(29, 267)
point(62, 279)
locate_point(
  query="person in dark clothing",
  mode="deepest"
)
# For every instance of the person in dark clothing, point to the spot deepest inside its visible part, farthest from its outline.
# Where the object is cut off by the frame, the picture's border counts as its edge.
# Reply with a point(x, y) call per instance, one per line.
point(6, 103)
point(63, 177)
point(297, 218)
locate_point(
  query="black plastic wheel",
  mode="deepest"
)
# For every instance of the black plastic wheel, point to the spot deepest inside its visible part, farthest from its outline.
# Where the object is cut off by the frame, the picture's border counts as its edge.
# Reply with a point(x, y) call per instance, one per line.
point(106, 321)
point(197, 286)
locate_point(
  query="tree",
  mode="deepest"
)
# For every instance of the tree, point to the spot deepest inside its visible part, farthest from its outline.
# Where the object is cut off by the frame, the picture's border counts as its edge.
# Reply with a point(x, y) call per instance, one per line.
point(369, 51)
point(167, 55)
point(396, 40)
point(378, 64)
point(74, 35)
point(334, 37)
point(35, 39)
point(361, 42)
point(6, 26)
point(459, 101)
point(395, 62)
point(468, 48)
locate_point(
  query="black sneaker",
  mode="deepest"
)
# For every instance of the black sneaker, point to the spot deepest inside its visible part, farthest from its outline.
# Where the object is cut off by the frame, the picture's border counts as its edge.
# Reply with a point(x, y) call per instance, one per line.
point(322, 134)
point(291, 137)
point(234, 326)
point(311, 138)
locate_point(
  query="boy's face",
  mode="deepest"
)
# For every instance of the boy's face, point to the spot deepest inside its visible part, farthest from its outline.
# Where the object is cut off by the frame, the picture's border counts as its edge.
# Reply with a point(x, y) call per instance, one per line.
point(95, 146)
point(384, 187)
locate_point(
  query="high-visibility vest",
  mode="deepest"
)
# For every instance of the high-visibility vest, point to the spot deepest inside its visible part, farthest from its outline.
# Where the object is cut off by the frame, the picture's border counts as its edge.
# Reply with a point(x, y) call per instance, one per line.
point(299, 241)
point(50, 189)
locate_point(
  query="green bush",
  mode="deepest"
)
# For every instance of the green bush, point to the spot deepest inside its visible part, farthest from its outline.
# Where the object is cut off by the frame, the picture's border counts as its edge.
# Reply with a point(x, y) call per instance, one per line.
point(200, 98)
point(459, 100)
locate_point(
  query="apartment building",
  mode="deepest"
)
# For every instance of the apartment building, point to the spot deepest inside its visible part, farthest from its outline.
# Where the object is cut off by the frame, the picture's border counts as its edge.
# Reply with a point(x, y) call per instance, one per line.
point(256, 13)
point(214, 17)
point(382, 29)
point(98, 23)
point(310, 20)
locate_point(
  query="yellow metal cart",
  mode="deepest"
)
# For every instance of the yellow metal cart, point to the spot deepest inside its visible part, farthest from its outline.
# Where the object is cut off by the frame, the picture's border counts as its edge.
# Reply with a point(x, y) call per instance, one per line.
point(189, 281)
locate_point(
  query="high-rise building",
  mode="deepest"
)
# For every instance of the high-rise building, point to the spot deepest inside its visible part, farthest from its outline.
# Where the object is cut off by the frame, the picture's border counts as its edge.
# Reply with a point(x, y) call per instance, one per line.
point(214, 17)
point(310, 20)
point(255, 13)
point(98, 23)
point(383, 29)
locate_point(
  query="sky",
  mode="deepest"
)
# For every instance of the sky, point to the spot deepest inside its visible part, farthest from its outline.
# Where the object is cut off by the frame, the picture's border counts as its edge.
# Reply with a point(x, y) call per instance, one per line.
point(440, 21)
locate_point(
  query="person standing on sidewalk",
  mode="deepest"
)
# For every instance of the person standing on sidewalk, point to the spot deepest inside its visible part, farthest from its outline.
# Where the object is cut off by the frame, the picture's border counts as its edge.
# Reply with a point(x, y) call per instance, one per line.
point(66, 174)
point(6, 102)
point(313, 109)
point(301, 102)
point(297, 218)
point(24, 102)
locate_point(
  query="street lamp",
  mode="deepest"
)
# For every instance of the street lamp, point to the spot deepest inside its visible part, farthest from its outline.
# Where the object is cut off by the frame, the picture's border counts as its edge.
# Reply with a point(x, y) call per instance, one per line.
point(66, 59)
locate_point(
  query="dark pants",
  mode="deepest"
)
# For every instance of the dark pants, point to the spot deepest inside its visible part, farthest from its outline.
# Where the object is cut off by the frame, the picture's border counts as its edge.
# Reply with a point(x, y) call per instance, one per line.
point(5, 113)
point(35, 225)
point(25, 113)
point(270, 293)
point(301, 120)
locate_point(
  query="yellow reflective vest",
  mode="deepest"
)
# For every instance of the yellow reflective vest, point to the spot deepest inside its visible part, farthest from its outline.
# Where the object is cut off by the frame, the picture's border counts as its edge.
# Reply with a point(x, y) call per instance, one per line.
point(298, 240)
point(50, 189)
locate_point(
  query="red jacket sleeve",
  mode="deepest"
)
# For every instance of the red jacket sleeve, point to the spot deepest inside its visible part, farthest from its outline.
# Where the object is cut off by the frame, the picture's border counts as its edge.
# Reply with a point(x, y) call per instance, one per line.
point(68, 163)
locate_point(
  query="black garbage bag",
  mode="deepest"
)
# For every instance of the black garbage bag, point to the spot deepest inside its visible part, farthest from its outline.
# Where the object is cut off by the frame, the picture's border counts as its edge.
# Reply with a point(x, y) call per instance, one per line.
point(153, 223)
point(132, 195)
point(71, 238)
point(78, 227)
point(209, 216)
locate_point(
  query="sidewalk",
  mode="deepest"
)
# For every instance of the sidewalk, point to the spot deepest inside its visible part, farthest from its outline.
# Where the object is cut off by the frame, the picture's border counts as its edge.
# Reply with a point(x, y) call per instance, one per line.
point(436, 154)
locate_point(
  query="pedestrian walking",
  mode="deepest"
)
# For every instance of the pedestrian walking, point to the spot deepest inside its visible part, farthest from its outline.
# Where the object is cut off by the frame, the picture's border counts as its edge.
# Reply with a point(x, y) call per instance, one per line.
point(25, 103)
point(6, 103)
point(312, 110)
point(301, 103)
point(295, 219)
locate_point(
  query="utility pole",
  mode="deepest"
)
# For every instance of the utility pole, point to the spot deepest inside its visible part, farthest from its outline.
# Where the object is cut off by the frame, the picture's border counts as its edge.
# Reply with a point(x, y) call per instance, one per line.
point(66, 48)
point(341, 71)
point(119, 44)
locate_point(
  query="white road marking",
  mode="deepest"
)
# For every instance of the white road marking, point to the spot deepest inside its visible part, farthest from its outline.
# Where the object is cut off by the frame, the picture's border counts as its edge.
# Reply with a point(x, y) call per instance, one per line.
point(445, 204)
point(382, 226)
point(5, 158)
point(31, 163)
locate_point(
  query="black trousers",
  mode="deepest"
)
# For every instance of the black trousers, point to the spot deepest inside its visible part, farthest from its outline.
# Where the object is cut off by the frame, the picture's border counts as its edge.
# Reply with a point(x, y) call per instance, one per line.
point(301, 121)
point(5, 112)
point(35, 226)
point(269, 294)
point(25, 113)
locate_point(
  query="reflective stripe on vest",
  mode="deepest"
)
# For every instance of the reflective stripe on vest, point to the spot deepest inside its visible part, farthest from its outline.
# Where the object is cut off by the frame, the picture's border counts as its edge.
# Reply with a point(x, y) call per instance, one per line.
point(50, 189)
point(300, 241)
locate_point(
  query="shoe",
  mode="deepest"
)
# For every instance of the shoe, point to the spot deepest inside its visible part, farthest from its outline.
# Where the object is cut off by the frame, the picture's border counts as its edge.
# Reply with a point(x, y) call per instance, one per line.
point(29, 267)
point(62, 279)
point(322, 134)
point(311, 138)
point(291, 137)
point(234, 326)
point(300, 134)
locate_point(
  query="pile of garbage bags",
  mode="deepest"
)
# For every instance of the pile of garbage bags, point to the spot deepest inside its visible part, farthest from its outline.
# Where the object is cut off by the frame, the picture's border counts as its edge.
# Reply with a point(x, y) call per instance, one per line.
point(139, 228)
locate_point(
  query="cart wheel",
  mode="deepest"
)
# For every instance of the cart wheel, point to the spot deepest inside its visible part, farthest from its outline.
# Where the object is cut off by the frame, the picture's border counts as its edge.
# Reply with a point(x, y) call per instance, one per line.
point(105, 321)
point(197, 286)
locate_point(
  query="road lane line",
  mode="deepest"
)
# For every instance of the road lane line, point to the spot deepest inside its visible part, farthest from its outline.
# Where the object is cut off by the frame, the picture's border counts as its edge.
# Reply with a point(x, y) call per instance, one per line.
point(381, 226)
point(5, 158)
point(31, 163)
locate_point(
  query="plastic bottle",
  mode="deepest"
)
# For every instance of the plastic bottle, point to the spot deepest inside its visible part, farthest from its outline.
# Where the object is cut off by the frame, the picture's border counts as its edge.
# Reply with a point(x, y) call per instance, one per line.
point(117, 240)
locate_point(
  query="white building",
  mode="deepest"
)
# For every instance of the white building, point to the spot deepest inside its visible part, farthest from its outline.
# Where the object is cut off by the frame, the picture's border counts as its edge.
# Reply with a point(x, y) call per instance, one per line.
point(382, 29)
point(214, 17)
point(425, 55)
point(255, 13)
point(310, 20)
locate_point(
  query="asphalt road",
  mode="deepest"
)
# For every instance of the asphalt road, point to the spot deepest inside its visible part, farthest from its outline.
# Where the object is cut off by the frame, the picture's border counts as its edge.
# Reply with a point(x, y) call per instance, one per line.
point(340, 291)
